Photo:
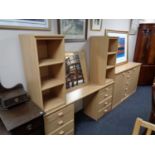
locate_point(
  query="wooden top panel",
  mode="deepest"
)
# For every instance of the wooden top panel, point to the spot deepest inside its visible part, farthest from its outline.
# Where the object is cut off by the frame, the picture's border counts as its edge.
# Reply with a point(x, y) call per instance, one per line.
point(126, 66)
point(80, 93)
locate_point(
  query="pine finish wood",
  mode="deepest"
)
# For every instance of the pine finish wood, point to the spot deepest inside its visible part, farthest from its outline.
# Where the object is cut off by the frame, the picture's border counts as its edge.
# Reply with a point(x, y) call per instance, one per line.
point(99, 103)
point(141, 123)
point(98, 59)
point(59, 120)
point(126, 79)
point(44, 65)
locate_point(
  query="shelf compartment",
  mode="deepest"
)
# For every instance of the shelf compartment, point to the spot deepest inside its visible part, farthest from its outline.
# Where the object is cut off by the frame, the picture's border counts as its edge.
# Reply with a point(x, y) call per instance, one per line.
point(47, 62)
point(110, 73)
point(113, 45)
point(46, 84)
point(112, 53)
point(52, 76)
point(110, 67)
point(54, 97)
point(111, 60)
point(50, 49)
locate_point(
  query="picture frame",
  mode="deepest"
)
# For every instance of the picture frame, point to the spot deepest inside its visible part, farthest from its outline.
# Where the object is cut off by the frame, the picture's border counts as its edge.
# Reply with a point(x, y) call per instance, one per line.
point(26, 24)
point(74, 30)
point(96, 24)
point(75, 63)
point(122, 52)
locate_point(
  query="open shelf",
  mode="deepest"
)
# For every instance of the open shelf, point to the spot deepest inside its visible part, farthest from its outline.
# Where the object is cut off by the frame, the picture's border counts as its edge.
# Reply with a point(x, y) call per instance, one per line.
point(53, 97)
point(52, 76)
point(46, 84)
point(47, 62)
point(113, 45)
point(110, 73)
point(111, 60)
point(110, 66)
point(112, 53)
point(49, 49)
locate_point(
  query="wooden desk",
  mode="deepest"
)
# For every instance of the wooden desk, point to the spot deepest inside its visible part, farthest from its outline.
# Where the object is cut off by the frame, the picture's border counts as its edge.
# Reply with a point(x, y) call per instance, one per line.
point(85, 91)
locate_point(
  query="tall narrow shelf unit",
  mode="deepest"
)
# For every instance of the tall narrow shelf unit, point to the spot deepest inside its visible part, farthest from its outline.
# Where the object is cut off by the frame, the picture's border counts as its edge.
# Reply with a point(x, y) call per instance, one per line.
point(44, 68)
point(111, 57)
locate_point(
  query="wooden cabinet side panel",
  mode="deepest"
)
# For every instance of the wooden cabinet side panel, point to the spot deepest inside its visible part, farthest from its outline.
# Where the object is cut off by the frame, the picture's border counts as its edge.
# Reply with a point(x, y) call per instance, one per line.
point(31, 69)
point(98, 59)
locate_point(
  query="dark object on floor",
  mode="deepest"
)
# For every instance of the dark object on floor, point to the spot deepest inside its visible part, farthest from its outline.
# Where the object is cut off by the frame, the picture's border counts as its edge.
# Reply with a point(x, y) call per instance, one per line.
point(145, 53)
point(24, 119)
point(120, 121)
point(10, 97)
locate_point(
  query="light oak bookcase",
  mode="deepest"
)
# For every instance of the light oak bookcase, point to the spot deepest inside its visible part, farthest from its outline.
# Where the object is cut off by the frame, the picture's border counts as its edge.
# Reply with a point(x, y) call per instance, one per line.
point(43, 58)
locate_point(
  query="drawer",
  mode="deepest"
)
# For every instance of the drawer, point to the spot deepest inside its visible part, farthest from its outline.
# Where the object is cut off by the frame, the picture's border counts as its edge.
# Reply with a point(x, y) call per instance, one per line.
point(31, 127)
point(105, 103)
point(103, 111)
point(105, 92)
point(58, 119)
point(66, 129)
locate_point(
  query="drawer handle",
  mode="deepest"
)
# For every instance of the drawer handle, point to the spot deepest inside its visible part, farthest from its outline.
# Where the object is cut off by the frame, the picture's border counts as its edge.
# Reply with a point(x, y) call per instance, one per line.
point(105, 110)
point(60, 114)
point(61, 132)
point(29, 127)
point(106, 103)
point(106, 95)
point(61, 122)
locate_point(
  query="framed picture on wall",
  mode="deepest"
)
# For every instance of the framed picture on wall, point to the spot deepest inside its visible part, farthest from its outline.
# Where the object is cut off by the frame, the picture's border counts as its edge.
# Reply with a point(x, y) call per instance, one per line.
point(122, 52)
point(96, 24)
point(74, 30)
point(25, 24)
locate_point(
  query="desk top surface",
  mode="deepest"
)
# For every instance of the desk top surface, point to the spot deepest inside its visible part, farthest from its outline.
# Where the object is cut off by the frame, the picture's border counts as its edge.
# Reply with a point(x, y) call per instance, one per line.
point(84, 91)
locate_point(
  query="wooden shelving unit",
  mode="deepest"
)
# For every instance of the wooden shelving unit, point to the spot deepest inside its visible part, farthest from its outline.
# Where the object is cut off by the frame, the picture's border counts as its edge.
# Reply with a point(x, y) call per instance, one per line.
point(44, 57)
point(111, 57)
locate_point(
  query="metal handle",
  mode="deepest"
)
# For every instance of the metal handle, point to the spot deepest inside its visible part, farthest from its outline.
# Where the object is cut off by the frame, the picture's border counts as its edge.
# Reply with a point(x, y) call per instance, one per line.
point(60, 114)
point(62, 132)
point(60, 122)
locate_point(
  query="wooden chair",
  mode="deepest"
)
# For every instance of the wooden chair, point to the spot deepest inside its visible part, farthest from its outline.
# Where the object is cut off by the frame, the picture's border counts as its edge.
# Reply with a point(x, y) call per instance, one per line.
point(141, 123)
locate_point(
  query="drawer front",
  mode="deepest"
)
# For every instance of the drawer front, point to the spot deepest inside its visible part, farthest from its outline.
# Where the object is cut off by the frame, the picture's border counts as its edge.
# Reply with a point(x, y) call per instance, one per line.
point(103, 111)
point(66, 129)
point(105, 92)
point(104, 103)
point(35, 126)
point(58, 119)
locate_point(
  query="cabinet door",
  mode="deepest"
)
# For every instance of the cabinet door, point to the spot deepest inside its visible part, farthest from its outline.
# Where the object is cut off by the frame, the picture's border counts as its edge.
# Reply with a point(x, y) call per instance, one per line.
point(118, 89)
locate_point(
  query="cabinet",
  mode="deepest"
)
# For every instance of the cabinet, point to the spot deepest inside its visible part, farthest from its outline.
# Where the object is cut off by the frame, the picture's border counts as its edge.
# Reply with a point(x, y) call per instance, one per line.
point(24, 119)
point(145, 53)
point(44, 66)
point(126, 79)
point(103, 58)
point(99, 103)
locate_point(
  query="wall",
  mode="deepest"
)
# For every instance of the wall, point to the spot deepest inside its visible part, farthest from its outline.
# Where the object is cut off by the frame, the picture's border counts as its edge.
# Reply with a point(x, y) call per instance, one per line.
point(11, 66)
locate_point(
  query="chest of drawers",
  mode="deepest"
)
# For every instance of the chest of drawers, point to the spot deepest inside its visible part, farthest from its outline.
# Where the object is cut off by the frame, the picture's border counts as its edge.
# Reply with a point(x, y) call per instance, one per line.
point(99, 103)
point(60, 122)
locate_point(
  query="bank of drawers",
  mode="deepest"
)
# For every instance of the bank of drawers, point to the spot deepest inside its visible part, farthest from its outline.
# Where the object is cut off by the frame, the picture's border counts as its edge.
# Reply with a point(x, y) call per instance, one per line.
point(60, 122)
point(99, 103)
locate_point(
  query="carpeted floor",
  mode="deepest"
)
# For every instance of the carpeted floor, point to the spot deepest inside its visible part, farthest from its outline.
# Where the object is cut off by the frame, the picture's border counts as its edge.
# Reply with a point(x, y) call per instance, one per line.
point(121, 120)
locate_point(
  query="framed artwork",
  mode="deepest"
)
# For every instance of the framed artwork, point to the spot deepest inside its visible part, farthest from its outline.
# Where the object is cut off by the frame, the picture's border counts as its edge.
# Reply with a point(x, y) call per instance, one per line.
point(74, 30)
point(75, 69)
point(122, 52)
point(25, 24)
point(96, 24)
